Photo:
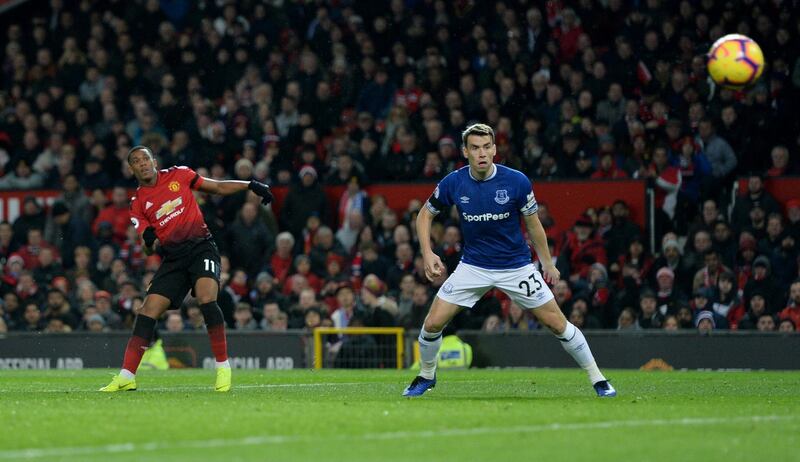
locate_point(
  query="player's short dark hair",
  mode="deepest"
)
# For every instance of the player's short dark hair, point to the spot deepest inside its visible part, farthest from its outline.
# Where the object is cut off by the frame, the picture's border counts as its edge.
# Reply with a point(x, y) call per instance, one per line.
point(477, 130)
point(140, 148)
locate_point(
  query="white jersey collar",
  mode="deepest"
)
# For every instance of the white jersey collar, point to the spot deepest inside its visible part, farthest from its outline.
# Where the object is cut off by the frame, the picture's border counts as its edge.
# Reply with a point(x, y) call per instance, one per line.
point(492, 175)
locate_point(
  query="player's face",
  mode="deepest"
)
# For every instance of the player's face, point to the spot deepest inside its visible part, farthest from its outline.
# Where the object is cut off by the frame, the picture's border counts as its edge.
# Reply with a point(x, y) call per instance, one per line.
point(143, 166)
point(480, 151)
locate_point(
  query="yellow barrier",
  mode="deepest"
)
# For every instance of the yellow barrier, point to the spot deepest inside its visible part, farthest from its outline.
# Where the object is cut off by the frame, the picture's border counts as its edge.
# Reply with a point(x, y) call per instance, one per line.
point(398, 332)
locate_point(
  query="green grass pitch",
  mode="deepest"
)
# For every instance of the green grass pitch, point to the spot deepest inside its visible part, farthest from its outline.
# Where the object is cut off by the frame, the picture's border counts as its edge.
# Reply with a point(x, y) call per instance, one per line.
point(332, 415)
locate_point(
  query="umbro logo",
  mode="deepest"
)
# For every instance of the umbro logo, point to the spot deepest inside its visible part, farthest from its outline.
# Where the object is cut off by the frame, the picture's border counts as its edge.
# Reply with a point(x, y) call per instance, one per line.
point(147, 205)
point(464, 200)
point(447, 288)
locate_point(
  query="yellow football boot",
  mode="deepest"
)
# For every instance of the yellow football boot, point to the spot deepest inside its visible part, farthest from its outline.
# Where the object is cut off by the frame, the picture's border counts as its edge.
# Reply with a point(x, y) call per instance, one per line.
point(119, 383)
point(223, 379)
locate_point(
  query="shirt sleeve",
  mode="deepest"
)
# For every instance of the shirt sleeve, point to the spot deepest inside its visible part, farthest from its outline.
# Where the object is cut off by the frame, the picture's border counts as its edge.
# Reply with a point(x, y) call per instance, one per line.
point(137, 217)
point(440, 199)
point(190, 177)
point(526, 198)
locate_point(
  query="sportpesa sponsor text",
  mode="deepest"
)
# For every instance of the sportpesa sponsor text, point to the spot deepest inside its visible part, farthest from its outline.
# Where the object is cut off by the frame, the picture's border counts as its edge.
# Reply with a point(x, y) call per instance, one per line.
point(486, 216)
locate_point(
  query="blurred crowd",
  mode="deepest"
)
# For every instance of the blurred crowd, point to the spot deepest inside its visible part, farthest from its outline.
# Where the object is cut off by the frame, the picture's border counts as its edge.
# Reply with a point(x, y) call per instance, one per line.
point(318, 93)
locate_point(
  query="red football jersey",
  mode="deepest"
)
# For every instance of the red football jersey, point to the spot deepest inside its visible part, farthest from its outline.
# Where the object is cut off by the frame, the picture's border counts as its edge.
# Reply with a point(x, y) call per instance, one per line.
point(169, 207)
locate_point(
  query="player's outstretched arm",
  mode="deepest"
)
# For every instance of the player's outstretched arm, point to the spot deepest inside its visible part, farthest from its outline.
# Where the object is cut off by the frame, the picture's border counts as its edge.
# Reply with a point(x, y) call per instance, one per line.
point(433, 264)
point(539, 238)
point(228, 187)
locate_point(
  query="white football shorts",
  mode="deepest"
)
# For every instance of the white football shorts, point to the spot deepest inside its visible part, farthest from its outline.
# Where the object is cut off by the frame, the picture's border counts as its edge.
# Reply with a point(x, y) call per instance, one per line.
point(525, 286)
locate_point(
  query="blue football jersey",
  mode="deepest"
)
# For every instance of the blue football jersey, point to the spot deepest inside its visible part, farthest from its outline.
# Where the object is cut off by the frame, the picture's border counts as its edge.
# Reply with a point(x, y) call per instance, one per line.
point(490, 215)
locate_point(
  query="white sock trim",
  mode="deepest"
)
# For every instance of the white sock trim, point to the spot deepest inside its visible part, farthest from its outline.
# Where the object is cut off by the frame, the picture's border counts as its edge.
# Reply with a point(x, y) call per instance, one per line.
point(569, 332)
point(226, 363)
point(125, 373)
point(429, 336)
point(429, 353)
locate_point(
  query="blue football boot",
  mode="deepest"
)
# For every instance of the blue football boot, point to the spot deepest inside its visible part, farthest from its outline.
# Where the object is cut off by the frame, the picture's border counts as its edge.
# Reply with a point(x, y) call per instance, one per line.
point(604, 389)
point(419, 386)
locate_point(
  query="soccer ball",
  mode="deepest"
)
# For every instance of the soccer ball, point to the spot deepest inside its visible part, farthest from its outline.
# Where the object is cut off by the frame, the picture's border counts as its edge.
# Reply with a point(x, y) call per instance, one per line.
point(735, 61)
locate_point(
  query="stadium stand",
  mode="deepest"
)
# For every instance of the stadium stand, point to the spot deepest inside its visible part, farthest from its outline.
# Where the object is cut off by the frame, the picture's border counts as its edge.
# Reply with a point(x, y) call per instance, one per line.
point(348, 96)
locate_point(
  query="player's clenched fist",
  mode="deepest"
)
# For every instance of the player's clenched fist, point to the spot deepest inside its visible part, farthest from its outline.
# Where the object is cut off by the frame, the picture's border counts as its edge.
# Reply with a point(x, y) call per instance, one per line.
point(433, 266)
point(149, 236)
point(261, 190)
point(551, 274)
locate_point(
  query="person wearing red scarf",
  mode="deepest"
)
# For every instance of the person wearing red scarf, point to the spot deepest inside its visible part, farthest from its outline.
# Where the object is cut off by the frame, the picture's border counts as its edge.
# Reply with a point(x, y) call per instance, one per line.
point(582, 248)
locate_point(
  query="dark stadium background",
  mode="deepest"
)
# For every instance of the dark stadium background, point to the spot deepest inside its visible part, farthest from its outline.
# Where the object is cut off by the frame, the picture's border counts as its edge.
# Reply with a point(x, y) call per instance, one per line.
point(374, 95)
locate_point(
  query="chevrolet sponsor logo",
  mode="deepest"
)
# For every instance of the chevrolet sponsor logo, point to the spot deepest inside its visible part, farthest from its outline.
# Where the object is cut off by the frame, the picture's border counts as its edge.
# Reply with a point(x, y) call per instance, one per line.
point(168, 207)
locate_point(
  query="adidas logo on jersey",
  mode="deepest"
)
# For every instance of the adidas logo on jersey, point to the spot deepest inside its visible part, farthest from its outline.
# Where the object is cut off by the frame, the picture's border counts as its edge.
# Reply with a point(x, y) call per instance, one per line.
point(486, 216)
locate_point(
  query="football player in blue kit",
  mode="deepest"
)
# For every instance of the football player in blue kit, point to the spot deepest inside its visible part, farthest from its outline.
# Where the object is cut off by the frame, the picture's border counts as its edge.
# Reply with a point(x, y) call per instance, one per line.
point(490, 200)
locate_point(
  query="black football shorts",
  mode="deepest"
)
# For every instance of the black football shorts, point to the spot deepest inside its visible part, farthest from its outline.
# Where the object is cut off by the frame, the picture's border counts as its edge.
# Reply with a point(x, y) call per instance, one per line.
point(179, 273)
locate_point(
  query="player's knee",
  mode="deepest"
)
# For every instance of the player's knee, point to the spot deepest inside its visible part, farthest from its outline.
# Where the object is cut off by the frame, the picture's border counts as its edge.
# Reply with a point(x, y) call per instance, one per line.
point(432, 325)
point(556, 324)
point(144, 326)
point(205, 299)
point(150, 310)
point(212, 314)
point(552, 318)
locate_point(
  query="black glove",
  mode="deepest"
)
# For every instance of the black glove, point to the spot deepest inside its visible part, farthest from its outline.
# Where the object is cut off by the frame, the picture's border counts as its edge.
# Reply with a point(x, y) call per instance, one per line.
point(261, 190)
point(149, 236)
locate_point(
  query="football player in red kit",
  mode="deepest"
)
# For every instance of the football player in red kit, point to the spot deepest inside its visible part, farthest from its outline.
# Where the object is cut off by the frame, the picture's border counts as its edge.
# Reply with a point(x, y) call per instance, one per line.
point(168, 218)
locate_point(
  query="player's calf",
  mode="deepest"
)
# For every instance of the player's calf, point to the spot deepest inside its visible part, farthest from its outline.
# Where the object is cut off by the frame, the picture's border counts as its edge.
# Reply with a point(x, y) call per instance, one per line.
point(215, 325)
point(575, 344)
point(143, 329)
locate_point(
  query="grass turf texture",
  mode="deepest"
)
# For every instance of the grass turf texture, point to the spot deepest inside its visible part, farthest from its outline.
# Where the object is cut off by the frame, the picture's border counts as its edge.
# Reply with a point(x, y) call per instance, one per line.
point(518, 414)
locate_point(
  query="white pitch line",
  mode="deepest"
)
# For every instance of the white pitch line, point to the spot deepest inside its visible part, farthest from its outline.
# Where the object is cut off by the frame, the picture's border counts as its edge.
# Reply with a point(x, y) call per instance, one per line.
point(247, 386)
point(200, 387)
point(38, 453)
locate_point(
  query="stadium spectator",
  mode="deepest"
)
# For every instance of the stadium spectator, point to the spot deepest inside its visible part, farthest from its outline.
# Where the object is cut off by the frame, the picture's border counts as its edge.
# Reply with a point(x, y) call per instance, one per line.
point(670, 323)
point(708, 275)
point(280, 323)
point(761, 281)
point(780, 165)
point(244, 317)
point(33, 321)
point(66, 231)
point(650, 316)
point(345, 307)
point(22, 177)
point(8, 245)
point(102, 303)
point(792, 310)
point(281, 260)
point(725, 302)
point(32, 216)
point(757, 306)
point(787, 326)
point(766, 323)
point(756, 196)
point(174, 323)
point(581, 249)
point(117, 215)
point(302, 200)
point(249, 239)
point(705, 322)
point(324, 245)
point(627, 320)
